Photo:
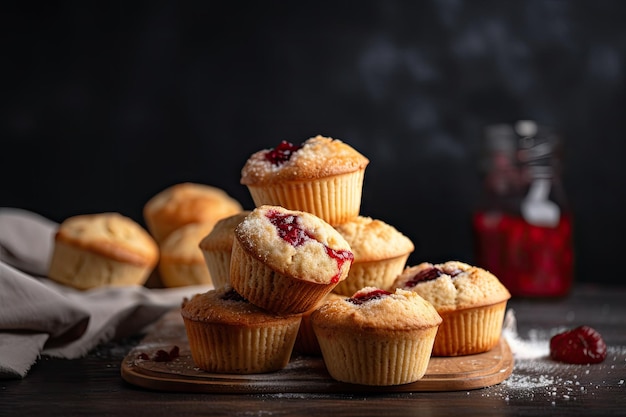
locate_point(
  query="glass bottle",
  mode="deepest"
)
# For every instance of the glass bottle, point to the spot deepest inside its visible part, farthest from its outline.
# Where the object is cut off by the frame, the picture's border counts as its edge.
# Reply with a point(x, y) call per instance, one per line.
point(523, 225)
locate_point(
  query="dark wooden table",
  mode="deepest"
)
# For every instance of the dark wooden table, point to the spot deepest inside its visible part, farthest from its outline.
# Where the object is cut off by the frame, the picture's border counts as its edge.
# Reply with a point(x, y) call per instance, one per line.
point(93, 385)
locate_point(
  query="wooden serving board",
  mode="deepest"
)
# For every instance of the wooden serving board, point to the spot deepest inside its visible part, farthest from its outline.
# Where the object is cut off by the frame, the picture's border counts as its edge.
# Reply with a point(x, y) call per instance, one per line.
point(303, 374)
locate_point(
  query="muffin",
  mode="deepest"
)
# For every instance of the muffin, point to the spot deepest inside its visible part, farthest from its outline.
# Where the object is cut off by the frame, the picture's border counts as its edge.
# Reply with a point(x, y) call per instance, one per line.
point(306, 341)
point(322, 176)
point(380, 254)
point(182, 262)
point(286, 261)
point(185, 203)
point(102, 249)
point(471, 301)
point(217, 246)
point(227, 334)
point(376, 337)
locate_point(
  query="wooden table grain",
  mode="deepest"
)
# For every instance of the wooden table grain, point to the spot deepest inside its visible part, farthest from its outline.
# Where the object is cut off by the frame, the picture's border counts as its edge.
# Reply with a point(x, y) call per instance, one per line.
point(93, 386)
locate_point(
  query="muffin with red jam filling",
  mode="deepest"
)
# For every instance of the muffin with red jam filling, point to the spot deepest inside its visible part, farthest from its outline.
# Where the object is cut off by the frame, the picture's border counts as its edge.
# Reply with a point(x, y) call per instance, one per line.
point(287, 261)
point(227, 334)
point(322, 176)
point(376, 337)
point(380, 254)
point(471, 301)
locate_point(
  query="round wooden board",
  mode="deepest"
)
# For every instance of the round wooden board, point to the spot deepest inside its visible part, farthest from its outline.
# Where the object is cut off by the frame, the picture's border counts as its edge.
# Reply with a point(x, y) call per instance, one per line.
point(303, 374)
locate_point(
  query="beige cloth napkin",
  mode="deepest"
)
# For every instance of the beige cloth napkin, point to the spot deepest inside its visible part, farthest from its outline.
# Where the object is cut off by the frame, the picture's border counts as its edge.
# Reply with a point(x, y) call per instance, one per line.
point(40, 317)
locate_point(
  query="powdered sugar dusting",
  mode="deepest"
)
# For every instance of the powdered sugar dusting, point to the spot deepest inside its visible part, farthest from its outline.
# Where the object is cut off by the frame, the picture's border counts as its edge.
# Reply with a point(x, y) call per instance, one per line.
point(317, 157)
point(537, 346)
point(536, 377)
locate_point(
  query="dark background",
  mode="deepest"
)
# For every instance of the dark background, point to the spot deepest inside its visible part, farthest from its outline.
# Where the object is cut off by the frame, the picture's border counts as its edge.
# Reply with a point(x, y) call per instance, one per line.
point(105, 104)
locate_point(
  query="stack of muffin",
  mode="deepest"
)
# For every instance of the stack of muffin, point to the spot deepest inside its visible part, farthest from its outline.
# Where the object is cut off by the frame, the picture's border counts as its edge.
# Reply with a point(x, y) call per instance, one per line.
point(303, 271)
point(305, 254)
point(285, 255)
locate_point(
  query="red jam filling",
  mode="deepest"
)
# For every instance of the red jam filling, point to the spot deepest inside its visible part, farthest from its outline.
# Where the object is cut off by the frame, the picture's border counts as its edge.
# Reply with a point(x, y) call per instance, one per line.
point(428, 274)
point(361, 298)
point(290, 230)
point(161, 355)
point(281, 153)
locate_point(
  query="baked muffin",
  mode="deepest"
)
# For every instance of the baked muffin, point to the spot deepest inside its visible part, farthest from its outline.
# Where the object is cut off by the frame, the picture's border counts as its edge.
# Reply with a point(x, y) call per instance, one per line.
point(185, 203)
point(182, 262)
point(376, 337)
point(380, 254)
point(217, 246)
point(306, 341)
point(286, 261)
point(102, 249)
point(471, 301)
point(227, 334)
point(322, 176)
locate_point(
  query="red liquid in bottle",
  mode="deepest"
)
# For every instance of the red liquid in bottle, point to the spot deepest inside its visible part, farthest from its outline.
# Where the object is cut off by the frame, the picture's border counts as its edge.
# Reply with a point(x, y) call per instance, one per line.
point(529, 260)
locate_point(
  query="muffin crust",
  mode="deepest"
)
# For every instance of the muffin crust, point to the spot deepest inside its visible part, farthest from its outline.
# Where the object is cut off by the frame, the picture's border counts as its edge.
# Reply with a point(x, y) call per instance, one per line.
point(222, 235)
point(399, 311)
point(372, 239)
point(182, 262)
point(111, 235)
point(318, 157)
point(185, 203)
point(460, 286)
point(309, 260)
point(215, 307)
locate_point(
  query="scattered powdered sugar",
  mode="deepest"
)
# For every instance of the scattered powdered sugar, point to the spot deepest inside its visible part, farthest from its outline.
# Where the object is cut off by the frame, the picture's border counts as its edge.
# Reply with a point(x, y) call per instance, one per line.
point(536, 377)
point(537, 346)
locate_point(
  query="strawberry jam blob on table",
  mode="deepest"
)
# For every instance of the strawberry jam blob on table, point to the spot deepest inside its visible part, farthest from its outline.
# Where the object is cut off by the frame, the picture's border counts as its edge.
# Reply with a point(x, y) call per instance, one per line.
point(582, 345)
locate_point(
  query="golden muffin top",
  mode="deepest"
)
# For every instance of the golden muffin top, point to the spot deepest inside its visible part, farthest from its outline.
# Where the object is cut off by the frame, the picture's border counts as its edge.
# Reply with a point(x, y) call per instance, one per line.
point(453, 285)
point(182, 244)
point(295, 243)
point(223, 233)
point(377, 310)
point(111, 235)
point(185, 203)
point(317, 157)
point(373, 240)
point(225, 306)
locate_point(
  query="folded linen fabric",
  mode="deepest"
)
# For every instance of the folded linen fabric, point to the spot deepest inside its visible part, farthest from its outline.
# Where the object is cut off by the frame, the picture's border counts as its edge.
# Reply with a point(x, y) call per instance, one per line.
point(40, 317)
